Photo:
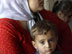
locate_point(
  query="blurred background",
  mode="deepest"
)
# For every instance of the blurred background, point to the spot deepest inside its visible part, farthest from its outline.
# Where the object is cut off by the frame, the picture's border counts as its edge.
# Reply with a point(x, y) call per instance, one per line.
point(48, 4)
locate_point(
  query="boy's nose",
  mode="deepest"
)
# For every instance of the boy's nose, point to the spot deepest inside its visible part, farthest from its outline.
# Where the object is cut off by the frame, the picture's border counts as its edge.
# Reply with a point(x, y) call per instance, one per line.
point(47, 45)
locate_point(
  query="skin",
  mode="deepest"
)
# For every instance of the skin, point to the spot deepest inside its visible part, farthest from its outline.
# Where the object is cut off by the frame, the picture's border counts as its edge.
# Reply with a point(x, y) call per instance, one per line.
point(24, 24)
point(45, 44)
point(36, 5)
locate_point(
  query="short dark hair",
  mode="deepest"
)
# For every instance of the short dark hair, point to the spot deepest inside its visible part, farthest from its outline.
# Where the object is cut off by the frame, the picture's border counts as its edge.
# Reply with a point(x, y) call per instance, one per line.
point(42, 27)
point(65, 6)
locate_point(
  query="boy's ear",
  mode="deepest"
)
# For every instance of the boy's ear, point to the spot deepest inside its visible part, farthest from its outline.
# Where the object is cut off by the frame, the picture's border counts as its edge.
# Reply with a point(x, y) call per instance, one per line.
point(60, 14)
point(34, 44)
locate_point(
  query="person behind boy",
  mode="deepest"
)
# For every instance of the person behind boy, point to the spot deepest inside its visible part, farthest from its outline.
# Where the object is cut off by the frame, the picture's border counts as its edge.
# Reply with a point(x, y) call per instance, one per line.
point(63, 9)
point(44, 37)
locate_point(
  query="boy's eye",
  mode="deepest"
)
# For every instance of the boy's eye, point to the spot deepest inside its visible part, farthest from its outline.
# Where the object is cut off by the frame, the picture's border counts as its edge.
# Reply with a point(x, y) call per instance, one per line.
point(52, 40)
point(42, 42)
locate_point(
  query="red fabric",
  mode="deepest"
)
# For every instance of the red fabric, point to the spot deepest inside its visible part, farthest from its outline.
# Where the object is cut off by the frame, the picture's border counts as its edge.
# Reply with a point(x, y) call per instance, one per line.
point(64, 32)
point(14, 39)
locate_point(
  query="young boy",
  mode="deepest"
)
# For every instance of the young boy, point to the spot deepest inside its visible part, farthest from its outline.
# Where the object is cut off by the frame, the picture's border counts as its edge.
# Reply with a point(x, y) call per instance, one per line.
point(44, 37)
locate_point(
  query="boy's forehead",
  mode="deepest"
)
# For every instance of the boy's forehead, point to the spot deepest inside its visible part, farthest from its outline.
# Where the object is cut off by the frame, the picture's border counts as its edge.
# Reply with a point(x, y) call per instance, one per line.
point(47, 36)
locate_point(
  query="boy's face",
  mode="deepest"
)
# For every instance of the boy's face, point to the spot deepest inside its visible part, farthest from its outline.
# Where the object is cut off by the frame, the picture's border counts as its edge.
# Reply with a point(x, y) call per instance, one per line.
point(65, 17)
point(45, 44)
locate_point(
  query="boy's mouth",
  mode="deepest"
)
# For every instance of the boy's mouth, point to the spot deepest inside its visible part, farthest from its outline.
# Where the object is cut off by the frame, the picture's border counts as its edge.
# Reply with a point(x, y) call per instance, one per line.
point(48, 51)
